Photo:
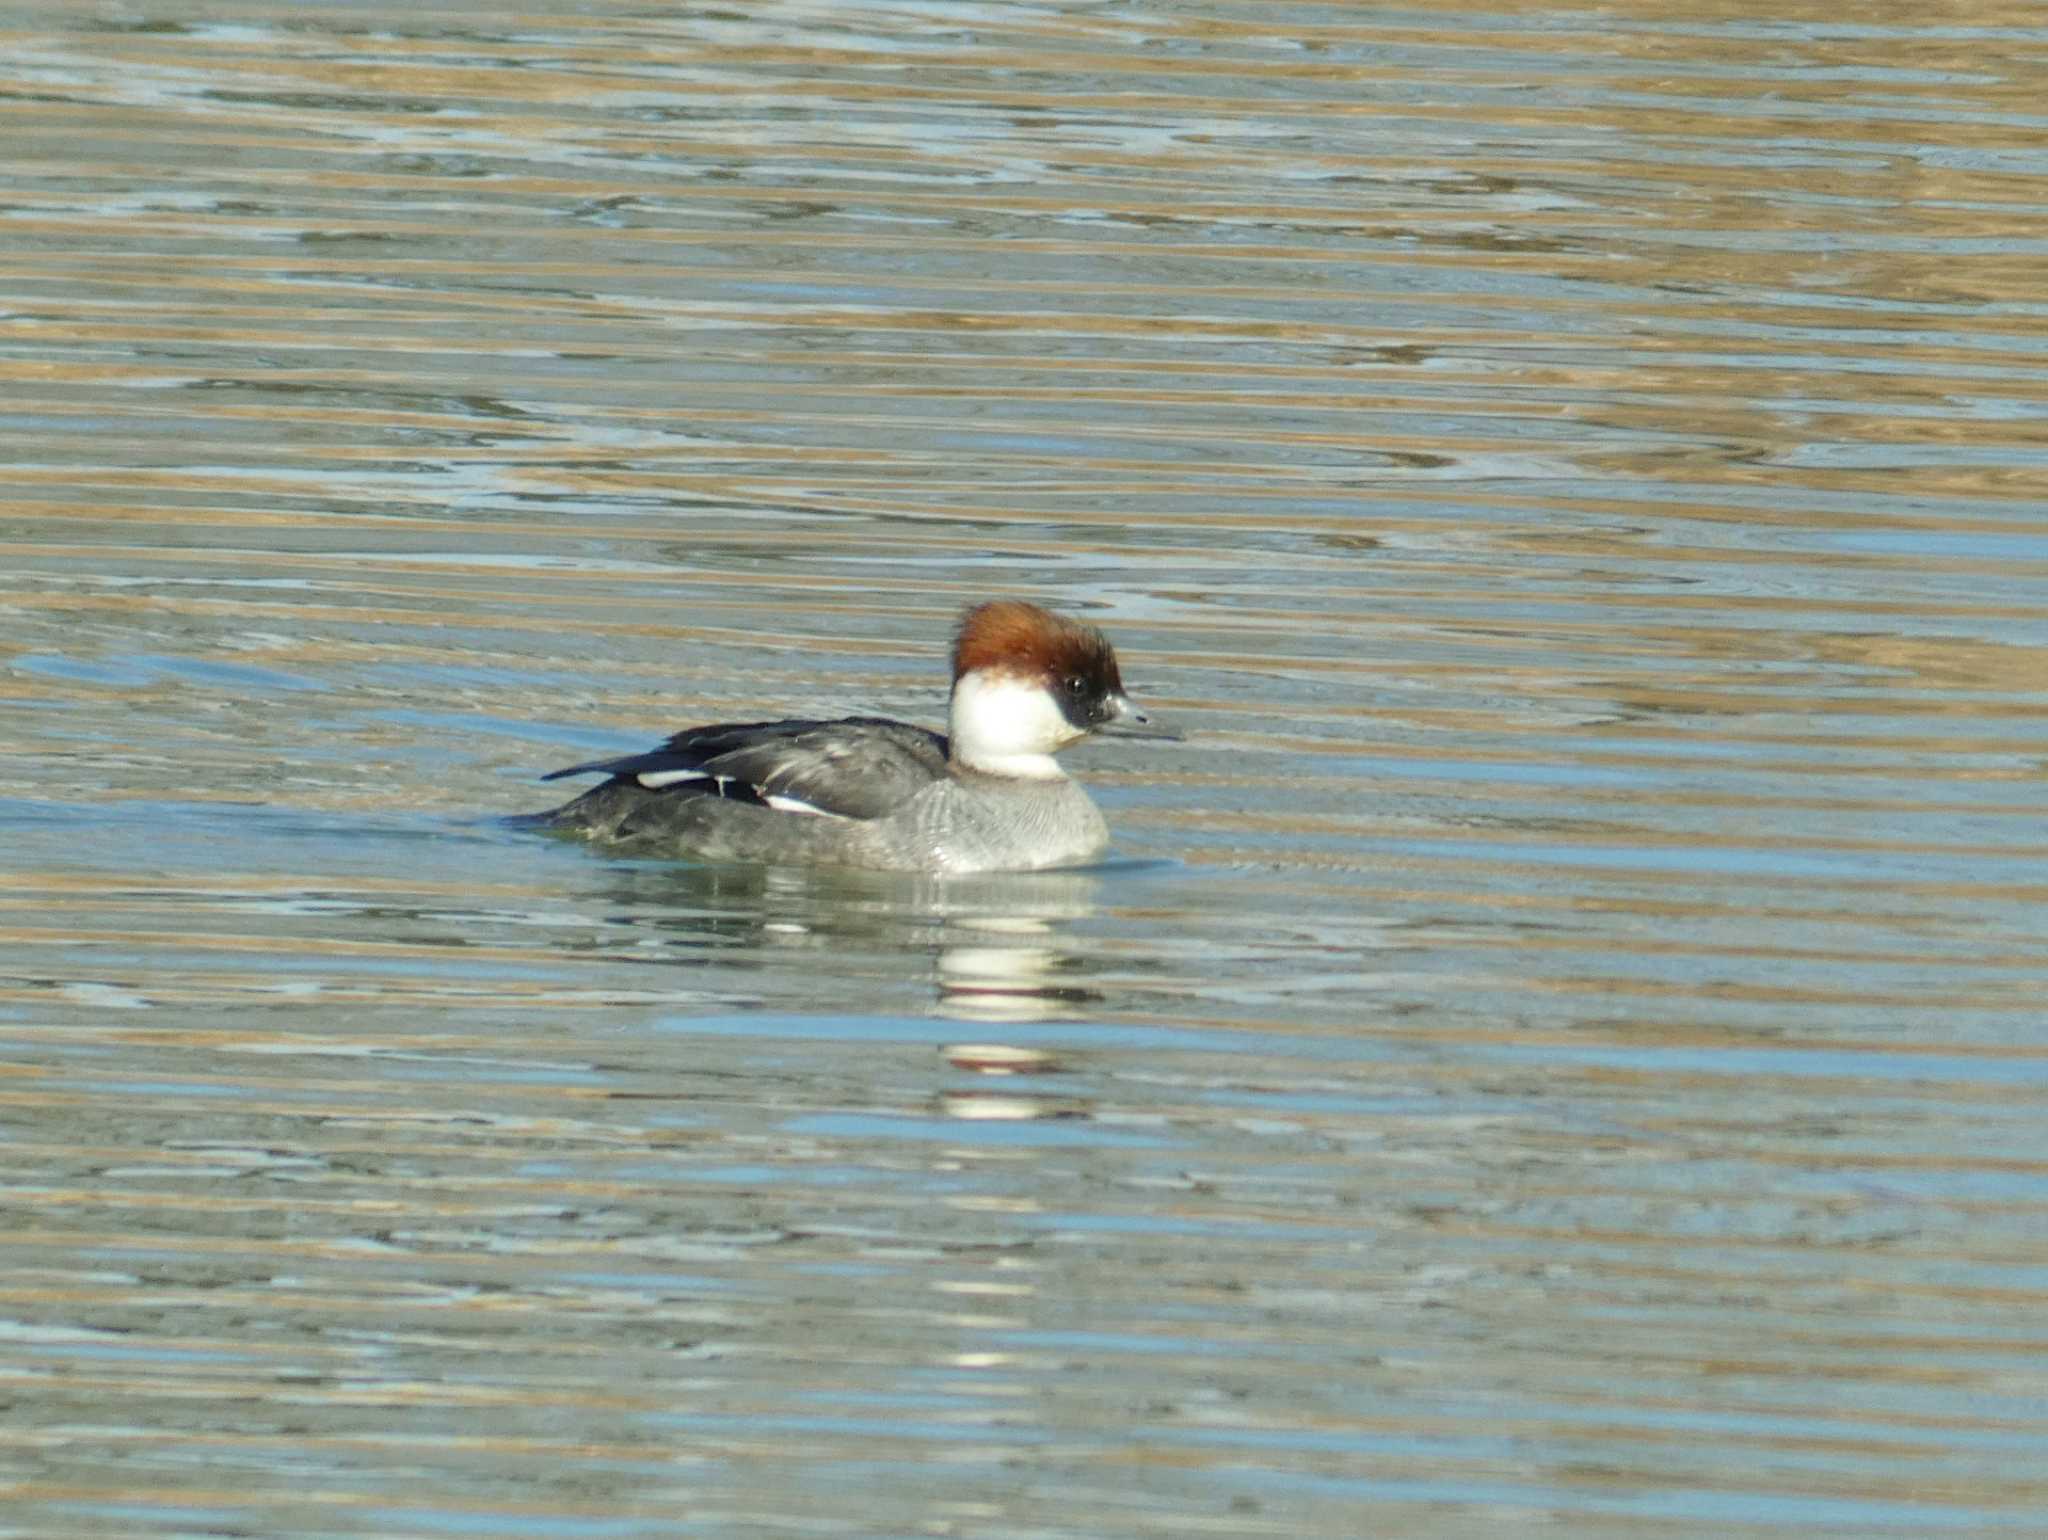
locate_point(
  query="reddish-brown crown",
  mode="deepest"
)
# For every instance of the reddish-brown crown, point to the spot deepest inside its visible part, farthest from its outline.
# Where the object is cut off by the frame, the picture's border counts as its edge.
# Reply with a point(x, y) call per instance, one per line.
point(1008, 636)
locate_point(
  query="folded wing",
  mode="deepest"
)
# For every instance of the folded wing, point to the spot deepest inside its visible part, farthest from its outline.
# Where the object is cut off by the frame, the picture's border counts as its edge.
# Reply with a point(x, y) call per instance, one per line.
point(860, 767)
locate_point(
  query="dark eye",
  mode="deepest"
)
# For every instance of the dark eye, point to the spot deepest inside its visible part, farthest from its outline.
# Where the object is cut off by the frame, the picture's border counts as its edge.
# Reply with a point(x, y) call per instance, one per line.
point(1076, 685)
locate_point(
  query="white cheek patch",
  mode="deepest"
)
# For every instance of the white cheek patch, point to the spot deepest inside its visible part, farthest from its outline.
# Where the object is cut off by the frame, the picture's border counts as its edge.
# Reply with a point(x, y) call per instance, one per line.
point(1009, 726)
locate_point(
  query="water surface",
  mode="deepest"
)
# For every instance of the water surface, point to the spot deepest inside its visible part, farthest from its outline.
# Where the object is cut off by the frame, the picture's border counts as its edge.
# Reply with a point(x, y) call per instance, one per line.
point(1559, 1048)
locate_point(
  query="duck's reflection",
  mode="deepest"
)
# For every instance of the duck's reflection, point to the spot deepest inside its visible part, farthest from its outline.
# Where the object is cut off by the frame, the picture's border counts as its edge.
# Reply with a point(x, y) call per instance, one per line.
point(1013, 967)
point(997, 950)
point(998, 947)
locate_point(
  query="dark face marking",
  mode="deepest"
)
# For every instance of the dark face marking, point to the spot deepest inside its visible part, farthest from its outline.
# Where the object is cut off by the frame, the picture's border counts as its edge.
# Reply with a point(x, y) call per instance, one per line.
point(1085, 700)
point(1077, 700)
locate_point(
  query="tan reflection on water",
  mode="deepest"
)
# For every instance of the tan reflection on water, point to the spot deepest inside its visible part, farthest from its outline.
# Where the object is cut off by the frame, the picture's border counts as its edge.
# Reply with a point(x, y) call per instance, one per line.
point(1560, 1048)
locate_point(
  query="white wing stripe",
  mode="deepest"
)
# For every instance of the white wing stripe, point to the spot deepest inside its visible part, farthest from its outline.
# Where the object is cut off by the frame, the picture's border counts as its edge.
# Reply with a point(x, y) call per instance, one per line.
point(783, 804)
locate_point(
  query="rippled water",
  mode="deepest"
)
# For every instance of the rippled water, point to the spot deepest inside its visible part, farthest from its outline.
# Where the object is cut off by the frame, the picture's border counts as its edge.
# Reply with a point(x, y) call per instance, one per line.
point(1559, 1048)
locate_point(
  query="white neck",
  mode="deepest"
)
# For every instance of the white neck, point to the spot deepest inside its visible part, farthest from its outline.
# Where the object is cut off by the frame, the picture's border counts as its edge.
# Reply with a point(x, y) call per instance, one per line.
point(1002, 725)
